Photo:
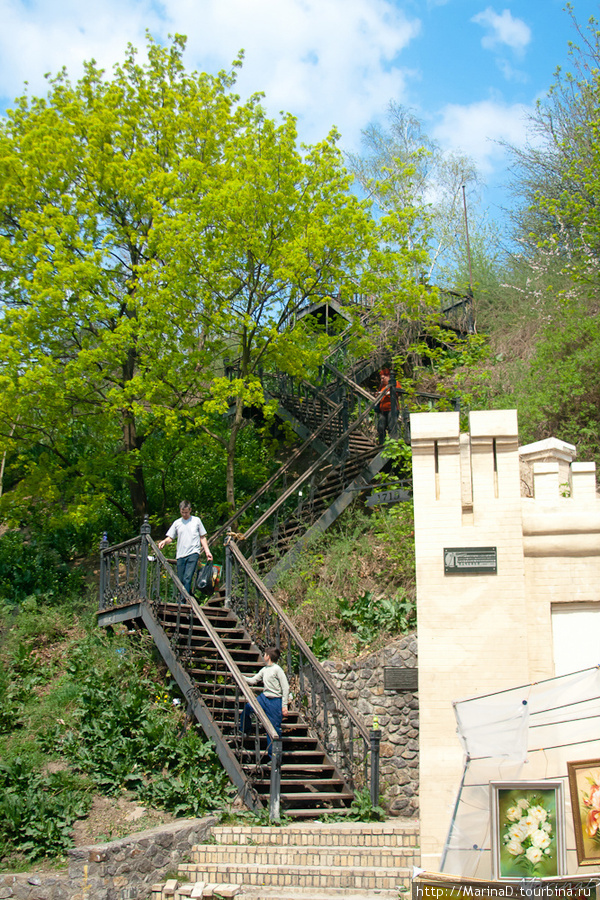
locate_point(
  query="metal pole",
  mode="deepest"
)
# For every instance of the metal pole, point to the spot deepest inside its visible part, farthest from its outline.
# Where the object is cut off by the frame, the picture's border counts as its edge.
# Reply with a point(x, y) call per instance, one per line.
point(375, 742)
point(103, 570)
point(393, 404)
point(145, 533)
point(468, 242)
point(275, 798)
point(228, 572)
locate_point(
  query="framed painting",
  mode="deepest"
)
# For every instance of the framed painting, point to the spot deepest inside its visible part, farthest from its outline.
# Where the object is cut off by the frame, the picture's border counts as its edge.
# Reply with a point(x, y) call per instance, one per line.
point(584, 787)
point(528, 835)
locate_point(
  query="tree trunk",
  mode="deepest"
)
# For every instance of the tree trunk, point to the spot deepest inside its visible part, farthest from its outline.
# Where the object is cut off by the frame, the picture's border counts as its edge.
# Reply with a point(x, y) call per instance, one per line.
point(137, 485)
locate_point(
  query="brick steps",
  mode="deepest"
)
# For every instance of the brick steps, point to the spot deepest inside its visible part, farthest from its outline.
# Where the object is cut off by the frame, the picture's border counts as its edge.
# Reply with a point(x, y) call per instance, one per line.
point(175, 890)
point(306, 855)
point(269, 893)
point(318, 861)
point(347, 834)
point(313, 876)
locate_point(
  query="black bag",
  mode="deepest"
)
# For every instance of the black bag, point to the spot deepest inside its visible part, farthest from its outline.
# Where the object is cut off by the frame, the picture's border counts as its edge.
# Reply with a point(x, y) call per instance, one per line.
point(205, 582)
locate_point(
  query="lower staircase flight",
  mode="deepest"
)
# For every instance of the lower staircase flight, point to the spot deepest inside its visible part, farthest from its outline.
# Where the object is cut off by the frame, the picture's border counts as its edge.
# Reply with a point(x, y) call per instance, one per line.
point(325, 753)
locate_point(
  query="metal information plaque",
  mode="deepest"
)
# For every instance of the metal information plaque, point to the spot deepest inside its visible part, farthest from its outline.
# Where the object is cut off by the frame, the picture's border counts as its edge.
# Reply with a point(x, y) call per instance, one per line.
point(386, 497)
point(400, 678)
point(460, 560)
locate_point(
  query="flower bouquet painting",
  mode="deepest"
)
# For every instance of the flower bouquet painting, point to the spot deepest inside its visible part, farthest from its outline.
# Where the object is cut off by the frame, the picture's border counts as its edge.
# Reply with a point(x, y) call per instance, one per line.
point(527, 829)
point(584, 787)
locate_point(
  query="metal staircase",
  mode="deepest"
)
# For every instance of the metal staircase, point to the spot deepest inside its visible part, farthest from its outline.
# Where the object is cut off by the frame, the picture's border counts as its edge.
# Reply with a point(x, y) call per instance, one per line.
point(325, 753)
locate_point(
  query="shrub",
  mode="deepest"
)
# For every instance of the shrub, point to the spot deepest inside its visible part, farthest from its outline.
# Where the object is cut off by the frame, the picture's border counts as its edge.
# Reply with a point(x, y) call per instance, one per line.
point(125, 736)
point(35, 568)
point(37, 811)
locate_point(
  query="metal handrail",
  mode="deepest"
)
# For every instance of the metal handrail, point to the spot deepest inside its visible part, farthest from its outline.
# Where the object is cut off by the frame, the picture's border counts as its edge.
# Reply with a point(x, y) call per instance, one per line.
point(316, 466)
point(281, 471)
point(291, 628)
point(217, 642)
point(337, 726)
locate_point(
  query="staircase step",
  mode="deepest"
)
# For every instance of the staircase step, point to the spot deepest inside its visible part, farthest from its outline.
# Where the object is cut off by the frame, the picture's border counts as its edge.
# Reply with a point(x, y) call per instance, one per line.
point(361, 878)
point(306, 855)
point(397, 833)
point(302, 799)
point(173, 890)
point(266, 892)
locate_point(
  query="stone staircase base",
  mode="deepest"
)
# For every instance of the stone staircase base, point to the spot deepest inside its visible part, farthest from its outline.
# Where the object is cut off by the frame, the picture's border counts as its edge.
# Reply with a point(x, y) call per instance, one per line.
point(315, 861)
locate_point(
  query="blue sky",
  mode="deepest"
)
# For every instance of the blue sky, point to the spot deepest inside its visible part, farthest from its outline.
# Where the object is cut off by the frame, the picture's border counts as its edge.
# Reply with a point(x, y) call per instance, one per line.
point(470, 69)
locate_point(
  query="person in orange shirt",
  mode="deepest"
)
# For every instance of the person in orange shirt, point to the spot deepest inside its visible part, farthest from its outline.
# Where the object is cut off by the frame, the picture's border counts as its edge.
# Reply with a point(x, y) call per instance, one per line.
point(385, 404)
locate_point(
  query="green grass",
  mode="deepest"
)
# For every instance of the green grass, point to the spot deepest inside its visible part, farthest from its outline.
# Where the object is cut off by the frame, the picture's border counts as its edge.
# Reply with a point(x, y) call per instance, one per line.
point(356, 583)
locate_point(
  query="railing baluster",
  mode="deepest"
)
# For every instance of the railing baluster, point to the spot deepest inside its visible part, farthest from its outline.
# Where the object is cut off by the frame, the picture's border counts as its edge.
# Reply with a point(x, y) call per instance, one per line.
point(190, 630)
point(325, 716)
point(104, 570)
point(301, 678)
point(143, 564)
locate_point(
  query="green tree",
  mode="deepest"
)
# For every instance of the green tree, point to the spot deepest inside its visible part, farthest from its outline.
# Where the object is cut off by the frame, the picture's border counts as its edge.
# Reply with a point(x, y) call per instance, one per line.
point(151, 224)
point(403, 168)
point(93, 360)
point(277, 229)
point(549, 364)
point(548, 169)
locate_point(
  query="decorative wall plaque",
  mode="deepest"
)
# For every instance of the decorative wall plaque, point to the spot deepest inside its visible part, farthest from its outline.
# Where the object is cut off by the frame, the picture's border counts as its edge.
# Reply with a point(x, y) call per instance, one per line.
point(400, 678)
point(478, 560)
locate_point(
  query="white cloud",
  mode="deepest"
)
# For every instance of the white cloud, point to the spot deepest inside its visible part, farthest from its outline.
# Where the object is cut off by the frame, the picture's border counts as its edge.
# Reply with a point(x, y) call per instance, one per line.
point(475, 130)
point(326, 61)
point(503, 29)
point(43, 36)
point(511, 74)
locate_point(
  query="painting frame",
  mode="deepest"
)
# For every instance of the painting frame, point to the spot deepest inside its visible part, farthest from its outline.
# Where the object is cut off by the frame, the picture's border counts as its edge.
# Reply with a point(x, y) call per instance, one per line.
point(585, 809)
point(527, 829)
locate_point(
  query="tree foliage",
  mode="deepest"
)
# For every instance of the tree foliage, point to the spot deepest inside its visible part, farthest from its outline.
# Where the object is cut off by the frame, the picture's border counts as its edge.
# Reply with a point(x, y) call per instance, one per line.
point(403, 168)
point(151, 226)
point(546, 339)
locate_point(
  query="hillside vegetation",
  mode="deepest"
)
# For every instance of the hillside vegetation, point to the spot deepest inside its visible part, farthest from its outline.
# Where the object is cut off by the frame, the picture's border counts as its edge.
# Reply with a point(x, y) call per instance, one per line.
point(92, 727)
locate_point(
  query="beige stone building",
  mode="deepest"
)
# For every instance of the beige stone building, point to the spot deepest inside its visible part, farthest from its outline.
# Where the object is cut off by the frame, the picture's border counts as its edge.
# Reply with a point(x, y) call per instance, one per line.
point(508, 580)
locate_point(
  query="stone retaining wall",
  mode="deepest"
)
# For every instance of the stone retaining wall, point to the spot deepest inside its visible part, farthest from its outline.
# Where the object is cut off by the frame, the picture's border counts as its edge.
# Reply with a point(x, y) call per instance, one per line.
point(362, 684)
point(120, 870)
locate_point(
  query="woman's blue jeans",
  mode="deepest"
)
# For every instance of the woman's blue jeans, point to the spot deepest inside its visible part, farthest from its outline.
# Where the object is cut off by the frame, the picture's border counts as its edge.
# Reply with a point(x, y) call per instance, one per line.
point(273, 709)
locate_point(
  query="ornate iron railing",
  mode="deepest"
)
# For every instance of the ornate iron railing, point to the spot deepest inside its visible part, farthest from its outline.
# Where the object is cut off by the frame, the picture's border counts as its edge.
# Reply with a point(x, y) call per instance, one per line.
point(308, 404)
point(328, 714)
point(135, 571)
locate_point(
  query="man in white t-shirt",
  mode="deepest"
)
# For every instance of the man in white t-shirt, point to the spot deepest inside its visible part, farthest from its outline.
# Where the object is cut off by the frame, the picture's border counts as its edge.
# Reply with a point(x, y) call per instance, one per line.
point(190, 534)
